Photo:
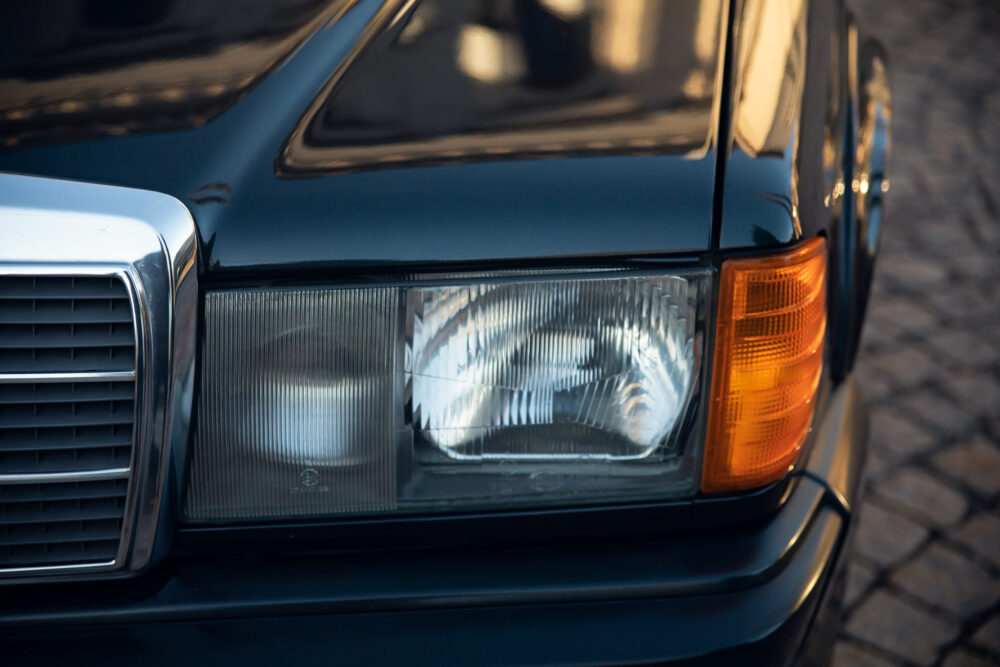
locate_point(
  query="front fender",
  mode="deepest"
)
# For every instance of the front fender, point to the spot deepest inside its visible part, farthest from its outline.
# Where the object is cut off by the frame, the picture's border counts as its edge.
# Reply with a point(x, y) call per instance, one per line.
point(868, 150)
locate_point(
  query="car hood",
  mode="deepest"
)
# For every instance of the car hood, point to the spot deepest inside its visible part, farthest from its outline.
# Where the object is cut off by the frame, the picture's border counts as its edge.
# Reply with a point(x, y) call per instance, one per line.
point(308, 135)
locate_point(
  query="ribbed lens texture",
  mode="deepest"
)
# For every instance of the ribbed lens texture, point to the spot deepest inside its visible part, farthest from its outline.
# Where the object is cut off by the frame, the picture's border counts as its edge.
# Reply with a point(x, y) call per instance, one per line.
point(296, 412)
point(564, 370)
point(437, 397)
point(769, 359)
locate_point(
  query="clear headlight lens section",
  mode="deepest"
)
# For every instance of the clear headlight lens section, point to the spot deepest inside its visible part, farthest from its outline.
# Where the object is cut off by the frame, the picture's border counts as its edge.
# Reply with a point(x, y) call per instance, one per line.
point(569, 370)
point(499, 393)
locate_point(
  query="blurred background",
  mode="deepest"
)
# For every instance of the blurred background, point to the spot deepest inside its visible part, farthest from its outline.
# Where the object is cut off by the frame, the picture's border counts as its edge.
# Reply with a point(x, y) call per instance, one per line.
point(924, 580)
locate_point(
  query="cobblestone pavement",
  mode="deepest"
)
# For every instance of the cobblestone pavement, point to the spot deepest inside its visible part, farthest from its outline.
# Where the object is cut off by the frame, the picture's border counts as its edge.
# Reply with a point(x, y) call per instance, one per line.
point(924, 575)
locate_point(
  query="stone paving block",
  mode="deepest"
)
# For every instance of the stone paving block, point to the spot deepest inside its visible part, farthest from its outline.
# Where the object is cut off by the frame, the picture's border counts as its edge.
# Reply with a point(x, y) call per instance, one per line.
point(948, 253)
point(977, 267)
point(988, 635)
point(900, 628)
point(879, 339)
point(962, 304)
point(880, 291)
point(944, 578)
point(897, 437)
point(873, 384)
point(908, 366)
point(885, 537)
point(947, 242)
point(985, 225)
point(906, 314)
point(981, 534)
point(963, 348)
point(991, 332)
point(934, 408)
point(979, 392)
point(876, 465)
point(975, 464)
point(922, 496)
point(860, 576)
point(846, 654)
point(911, 271)
point(913, 315)
point(963, 658)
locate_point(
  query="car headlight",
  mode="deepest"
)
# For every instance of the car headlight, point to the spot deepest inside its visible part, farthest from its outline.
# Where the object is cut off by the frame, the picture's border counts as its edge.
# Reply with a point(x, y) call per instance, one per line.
point(448, 395)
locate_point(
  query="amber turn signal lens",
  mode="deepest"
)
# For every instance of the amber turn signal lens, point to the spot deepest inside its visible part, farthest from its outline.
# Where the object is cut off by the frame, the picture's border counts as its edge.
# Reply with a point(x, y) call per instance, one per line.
point(768, 361)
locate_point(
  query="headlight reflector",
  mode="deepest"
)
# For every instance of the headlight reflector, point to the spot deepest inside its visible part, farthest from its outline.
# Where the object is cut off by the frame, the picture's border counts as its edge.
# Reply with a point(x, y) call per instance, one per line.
point(605, 366)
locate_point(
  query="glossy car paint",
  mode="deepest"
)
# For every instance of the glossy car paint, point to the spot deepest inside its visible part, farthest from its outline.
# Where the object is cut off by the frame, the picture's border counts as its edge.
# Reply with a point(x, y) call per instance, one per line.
point(263, 201)
point(552, 149)
point(275, 122)
point(705, 598)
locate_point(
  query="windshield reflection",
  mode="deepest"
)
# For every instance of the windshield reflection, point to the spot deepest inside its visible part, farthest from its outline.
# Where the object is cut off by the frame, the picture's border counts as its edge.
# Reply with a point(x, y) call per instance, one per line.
point(454, 80)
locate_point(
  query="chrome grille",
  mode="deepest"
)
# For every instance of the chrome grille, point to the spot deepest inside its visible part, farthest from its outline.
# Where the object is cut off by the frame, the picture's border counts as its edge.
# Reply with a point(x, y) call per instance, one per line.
point(98, 319)
point(67, 413)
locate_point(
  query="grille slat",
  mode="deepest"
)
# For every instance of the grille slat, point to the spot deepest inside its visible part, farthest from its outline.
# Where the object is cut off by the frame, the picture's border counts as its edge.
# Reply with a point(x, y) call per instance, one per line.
point(62, 287)
point(57, 533)
point(86, 437)
point(36, 555)
point(65, 360)
point(58, 416)
point(19, 311)
point(48, 336)
point(59, 460)
point(62, 510)
point(24, 415)
point(75, 392)
point(28, 493)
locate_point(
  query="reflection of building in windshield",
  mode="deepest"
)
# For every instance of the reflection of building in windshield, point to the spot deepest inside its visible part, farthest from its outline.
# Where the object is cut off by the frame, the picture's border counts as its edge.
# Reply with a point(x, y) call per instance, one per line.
point(771, 71)
point(117, 66)
point(458, 80)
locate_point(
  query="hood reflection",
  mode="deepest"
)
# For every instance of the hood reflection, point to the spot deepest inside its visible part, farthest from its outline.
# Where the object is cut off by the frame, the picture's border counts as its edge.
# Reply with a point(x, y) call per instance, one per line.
point(455, 80)
point(771, 73)
point(118, 66)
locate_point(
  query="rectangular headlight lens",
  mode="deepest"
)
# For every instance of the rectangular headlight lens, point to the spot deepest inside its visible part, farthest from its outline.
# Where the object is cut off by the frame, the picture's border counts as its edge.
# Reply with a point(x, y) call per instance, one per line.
point(432, 397)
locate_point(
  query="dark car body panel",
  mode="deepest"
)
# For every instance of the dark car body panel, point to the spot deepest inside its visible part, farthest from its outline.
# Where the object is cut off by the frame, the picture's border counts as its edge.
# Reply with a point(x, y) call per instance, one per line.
point(232, 169)
point(786, 132)
point(246, 116)
point(746, 594)
point(764, 625)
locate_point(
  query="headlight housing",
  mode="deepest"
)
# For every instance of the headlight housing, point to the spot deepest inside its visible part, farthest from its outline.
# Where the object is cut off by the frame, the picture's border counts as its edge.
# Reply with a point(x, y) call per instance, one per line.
point(446, 395)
